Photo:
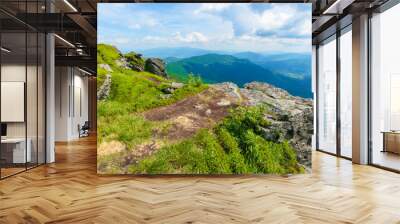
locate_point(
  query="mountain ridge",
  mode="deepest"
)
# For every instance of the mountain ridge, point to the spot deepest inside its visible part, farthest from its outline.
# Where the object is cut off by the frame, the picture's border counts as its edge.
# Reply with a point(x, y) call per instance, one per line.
point(216, 68)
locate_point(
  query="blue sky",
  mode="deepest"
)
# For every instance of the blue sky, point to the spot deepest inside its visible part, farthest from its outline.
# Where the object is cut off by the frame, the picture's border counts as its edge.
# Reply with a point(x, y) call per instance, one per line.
point(257, 27)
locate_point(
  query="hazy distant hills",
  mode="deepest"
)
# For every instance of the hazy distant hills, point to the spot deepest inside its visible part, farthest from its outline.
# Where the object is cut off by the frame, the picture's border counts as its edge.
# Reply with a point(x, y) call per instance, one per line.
point(178, 52)
point(290, 71)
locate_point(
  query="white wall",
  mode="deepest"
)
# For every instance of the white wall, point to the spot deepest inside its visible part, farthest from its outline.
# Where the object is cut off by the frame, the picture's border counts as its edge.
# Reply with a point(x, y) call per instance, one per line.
point(71, 87)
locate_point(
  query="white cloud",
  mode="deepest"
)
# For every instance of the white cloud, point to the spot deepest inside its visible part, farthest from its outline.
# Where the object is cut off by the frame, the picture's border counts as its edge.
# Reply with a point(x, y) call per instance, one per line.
point(281, 19)
point(221, 26)
point(192, 37)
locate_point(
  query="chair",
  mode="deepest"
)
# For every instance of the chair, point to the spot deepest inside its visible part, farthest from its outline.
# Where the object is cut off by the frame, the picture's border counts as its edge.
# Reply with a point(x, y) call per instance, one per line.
point(84, 130)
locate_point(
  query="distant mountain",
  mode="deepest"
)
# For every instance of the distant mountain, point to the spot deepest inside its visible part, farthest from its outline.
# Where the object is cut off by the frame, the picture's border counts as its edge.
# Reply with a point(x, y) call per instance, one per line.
point(171, 59)
point(293, 65)
point(179, 52)
point(214, 68)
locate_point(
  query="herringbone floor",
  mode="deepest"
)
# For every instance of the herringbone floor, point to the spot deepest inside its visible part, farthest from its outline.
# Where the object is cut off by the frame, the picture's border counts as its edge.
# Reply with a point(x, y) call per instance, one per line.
point(70, 191)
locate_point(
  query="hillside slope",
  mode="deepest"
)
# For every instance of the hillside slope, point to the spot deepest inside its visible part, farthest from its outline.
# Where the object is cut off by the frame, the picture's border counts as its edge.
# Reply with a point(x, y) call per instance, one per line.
point(151, 124)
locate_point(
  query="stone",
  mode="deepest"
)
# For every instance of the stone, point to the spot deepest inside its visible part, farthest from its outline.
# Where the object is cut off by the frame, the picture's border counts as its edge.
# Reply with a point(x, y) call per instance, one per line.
point(122, 62)
point(177, 85)
point(135, 61)
point(165, 96)
point(224, 103)
point(156, 66)
point(168, 90)
point(290, 117)
point(208, 112)
point(104, 90)
point(106, 67)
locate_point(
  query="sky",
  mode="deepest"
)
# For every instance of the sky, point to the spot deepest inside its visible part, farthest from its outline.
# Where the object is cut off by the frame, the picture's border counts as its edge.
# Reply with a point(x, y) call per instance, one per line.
point(237, 27)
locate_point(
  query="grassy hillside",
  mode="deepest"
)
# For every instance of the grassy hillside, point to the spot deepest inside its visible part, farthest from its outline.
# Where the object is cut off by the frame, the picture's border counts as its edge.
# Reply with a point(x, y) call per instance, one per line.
point(214, 68)
point(232, 145)
point(131, 92)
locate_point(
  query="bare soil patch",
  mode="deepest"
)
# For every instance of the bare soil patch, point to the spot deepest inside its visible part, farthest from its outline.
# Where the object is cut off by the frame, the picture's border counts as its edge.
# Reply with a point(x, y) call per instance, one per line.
point(193, 113)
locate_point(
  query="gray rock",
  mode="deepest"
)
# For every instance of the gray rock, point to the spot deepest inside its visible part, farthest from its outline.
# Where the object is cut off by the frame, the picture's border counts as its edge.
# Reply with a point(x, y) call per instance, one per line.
point(106, 67)
point(165, 96)
point(229, 88)
point(122, 62)
point(291, 117)
point(168, 90)
point(156, 66)
point(104, 90)
point(224, 103)
point(177, 85)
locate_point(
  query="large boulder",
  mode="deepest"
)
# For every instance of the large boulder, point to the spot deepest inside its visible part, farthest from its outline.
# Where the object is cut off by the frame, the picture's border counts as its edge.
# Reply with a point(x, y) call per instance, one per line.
point(155, 66)
point(290, 117)
point(104, 90)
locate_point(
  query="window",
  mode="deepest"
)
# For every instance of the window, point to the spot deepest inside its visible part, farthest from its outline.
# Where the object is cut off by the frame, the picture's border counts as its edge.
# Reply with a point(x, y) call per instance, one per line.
point(327, 96)
point(385, 89)
point(346, 93)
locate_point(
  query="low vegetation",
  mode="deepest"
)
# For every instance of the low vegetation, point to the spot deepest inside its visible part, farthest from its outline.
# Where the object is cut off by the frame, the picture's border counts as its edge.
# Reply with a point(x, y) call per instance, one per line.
point(235, 146)
point(133, 92)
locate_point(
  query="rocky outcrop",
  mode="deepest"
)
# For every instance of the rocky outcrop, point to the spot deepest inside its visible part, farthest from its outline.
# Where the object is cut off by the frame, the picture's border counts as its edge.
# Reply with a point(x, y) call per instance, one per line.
point(106, 67)
point(122, 62)
point(104, 90)
point(156, 66)
point(135, 61)
point(291, 117)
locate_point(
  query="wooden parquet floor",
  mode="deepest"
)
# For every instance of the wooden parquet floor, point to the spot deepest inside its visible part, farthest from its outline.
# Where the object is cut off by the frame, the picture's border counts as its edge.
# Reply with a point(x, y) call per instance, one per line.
point(70, 191)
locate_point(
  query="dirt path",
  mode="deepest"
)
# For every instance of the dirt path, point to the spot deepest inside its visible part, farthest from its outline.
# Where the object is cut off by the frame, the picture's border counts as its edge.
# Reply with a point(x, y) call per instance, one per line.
point(184, 118)
point(193, 113)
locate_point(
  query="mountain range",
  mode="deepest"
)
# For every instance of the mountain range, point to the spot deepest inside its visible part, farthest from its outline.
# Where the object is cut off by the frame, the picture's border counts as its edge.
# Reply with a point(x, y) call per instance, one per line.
point(289, 71)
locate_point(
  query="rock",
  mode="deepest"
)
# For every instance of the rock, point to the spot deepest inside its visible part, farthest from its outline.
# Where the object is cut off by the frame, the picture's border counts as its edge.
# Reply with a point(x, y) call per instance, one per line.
point(199, 106)
point(229, 88)
point(165, 96)
point(122, 62)
point(135, 61)
point(104, 90)
point(290, 117)
point(105, 67)
point(177, 85)
point(155, 66)
point(208, 112)
point(168, 90)
point(172, 87)
point(224, 103)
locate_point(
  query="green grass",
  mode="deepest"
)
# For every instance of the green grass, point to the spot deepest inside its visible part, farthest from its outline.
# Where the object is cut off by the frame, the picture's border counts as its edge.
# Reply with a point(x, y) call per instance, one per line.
point(234, 146)
point(131, 93)
point(107, 54)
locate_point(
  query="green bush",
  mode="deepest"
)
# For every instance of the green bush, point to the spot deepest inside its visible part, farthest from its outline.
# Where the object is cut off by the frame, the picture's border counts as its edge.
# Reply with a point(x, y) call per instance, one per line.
point(194, 80)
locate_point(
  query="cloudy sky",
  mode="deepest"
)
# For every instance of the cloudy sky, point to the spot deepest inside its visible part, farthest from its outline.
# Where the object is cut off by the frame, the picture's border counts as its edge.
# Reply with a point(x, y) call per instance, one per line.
point(257, 27)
